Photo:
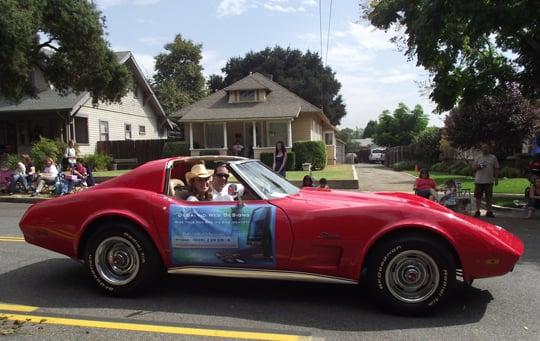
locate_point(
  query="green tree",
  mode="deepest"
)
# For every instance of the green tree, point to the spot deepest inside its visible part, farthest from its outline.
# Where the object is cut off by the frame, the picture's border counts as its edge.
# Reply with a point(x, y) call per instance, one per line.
point(370, 129)
point(471, 48)
point(502, 122)
point(347, 135)
point(178, 80)
point(301, 73)
point(72, 53)
point(400, 128)
point(215, 83)
point(427, 145)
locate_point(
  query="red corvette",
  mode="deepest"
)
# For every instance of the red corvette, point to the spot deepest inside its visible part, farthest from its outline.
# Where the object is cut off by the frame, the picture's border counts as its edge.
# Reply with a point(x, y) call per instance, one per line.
point(131, 229)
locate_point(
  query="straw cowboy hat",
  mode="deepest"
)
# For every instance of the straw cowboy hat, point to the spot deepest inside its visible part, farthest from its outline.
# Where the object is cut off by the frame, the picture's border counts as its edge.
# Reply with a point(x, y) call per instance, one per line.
point(197, 171)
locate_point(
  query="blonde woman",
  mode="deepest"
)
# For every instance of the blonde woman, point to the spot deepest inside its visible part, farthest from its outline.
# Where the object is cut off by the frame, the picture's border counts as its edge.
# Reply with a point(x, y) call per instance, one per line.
point(48, 176)
point(199, 183)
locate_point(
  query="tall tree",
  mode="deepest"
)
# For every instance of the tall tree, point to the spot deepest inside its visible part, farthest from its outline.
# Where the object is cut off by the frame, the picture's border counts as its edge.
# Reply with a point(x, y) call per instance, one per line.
point(504, 123)
point(370, 129)
point(178, 80)
point(401, 127)
point(301, 73)
point(215, 83)
point(72, 53)
point(471, 48)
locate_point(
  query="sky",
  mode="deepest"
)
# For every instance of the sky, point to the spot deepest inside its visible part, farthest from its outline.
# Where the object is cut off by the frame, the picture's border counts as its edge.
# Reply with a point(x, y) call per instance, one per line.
point(374, 75)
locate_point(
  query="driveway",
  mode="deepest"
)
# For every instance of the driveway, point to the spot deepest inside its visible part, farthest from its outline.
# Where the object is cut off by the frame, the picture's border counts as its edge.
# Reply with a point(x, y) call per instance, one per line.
point(375, 177)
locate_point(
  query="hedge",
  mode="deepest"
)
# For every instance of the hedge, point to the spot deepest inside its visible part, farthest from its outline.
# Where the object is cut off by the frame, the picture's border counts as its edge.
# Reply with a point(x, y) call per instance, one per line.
point(175, 148)
point(268, 159)
point(98, 161)
point(313, 152)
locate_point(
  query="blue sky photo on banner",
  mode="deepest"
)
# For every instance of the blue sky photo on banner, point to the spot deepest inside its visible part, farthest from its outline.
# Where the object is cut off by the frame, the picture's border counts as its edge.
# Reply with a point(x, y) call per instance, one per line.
point(223, 235)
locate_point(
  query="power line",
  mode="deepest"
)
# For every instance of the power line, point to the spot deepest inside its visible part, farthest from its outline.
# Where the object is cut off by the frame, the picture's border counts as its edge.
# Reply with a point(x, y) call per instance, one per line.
point(328, 34)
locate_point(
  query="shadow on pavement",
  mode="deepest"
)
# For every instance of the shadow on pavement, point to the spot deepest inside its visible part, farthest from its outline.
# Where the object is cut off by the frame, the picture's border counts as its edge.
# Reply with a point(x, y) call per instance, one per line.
point(62, 283)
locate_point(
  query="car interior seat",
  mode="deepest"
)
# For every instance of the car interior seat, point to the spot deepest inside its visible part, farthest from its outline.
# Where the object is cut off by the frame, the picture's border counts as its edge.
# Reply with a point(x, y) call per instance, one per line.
point(177, 189)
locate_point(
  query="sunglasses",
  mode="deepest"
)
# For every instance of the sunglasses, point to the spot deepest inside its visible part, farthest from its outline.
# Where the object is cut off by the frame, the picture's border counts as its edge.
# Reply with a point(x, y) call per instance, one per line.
point(222, 175)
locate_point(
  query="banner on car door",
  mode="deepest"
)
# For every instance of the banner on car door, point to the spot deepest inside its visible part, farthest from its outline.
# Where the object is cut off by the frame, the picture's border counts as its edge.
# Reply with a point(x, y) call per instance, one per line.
point(223, 235)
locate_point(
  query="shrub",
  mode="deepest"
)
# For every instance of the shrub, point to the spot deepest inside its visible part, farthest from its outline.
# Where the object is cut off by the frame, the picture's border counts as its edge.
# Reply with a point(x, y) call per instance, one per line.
point(439, 167)
point(291, 161)
point(45, 147)
point(11, 161)
point(404, 165)
point(465, 170)
point(98, 161)
point(313, 152)
point(267, 159)
point(455, 166)
point(509, 172)
point(175, 148)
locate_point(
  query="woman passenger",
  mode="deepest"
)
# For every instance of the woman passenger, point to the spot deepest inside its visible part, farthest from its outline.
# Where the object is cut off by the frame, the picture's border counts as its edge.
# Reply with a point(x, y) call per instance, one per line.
point(199, 183)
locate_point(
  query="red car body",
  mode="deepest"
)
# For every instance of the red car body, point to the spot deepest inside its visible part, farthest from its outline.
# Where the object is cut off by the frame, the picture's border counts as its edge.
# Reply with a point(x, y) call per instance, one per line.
point(326, 233)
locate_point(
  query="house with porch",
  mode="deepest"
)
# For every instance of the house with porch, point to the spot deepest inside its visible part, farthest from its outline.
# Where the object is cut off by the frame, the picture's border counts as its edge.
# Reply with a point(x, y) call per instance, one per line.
point(256, 112)
point(74, 117)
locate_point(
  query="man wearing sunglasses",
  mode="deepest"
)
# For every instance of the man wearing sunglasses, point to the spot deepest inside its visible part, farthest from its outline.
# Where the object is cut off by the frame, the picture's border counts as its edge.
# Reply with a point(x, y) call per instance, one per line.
point(220, 186)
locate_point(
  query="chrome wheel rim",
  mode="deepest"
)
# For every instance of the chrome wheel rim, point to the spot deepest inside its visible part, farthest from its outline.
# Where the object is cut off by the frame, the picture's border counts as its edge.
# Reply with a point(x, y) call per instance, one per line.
point(117, 260)
point(412, 276)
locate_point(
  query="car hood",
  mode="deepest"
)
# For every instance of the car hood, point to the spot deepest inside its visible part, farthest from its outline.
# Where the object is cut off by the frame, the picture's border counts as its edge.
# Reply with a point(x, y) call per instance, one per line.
point(349, 198)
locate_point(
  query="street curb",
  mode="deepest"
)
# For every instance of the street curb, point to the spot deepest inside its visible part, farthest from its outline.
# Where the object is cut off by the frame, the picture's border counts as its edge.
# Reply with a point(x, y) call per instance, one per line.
point(22, 200)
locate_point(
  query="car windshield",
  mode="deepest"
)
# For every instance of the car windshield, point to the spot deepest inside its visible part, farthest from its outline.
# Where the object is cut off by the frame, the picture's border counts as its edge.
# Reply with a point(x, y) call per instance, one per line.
point(377, 151)
point(263, 180)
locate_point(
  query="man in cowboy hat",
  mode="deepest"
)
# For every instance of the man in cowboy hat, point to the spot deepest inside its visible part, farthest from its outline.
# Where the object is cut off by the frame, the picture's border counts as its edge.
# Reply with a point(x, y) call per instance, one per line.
point(198, 179)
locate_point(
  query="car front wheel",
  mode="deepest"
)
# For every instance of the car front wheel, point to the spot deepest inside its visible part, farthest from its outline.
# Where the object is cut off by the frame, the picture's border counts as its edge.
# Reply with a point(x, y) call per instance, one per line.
point(411, 275)
point(122, 260)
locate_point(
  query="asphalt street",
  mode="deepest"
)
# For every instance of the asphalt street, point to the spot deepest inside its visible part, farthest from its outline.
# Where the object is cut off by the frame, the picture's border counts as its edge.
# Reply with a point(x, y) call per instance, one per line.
point(57, 289)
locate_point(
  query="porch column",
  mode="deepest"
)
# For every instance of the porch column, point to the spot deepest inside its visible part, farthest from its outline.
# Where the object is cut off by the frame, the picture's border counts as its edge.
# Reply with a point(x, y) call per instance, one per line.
point(254, 130)
point(190, 136)
point(289, 134)
point(225, 135)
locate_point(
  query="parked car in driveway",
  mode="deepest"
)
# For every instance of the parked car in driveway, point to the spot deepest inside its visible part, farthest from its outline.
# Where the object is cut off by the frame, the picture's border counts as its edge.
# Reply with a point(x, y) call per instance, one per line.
point(377, 155)
point(131, 229)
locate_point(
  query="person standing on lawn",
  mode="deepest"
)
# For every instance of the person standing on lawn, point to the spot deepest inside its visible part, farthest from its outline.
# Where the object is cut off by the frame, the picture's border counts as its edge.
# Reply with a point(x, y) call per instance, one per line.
point(486, 167)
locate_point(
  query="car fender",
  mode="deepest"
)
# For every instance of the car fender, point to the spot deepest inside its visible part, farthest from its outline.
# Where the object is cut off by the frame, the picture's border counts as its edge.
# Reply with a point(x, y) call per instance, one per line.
point(403, 226)
point(144, 221)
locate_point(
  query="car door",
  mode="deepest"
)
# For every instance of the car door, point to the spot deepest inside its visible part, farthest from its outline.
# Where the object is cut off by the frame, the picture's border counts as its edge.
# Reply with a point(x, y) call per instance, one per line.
point(253, 234)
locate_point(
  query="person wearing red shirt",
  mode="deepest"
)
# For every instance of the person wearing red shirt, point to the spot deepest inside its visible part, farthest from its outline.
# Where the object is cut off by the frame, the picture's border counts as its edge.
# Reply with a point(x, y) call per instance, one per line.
point(424, 186)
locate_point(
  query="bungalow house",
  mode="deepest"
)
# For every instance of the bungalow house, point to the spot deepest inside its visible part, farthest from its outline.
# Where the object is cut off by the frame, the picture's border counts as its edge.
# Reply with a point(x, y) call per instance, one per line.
point(257, 112)
point(73, 117)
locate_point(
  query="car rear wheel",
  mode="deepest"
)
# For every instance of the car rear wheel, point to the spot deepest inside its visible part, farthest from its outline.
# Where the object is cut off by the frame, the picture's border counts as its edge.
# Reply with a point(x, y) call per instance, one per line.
point(122, 260)
point(411, 274)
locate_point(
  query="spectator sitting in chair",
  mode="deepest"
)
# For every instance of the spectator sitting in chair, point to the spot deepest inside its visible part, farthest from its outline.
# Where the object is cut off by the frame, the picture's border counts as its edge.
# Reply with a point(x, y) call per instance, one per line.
point(78, 176)
point(424, 186)
point(48, 176)
point(21, 174)
point(449, 199)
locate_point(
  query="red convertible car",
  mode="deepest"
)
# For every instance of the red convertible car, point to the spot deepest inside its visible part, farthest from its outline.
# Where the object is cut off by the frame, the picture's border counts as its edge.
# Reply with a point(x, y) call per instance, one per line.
point(131, 229)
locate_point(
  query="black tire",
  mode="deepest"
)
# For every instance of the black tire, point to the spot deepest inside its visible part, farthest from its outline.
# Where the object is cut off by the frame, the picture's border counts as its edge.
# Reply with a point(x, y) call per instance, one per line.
point(137, 263)
point(411, 274)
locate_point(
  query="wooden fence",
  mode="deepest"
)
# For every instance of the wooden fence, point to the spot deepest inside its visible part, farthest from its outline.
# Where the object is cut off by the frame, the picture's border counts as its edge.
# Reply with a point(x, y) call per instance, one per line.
point(142, 150)
point(397, 154)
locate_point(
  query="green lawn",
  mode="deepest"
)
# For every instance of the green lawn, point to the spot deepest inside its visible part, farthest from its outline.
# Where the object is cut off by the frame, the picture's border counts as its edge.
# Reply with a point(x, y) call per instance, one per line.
point(111, 173)
point(516, 185)
point(331, 172)
point(337, 172)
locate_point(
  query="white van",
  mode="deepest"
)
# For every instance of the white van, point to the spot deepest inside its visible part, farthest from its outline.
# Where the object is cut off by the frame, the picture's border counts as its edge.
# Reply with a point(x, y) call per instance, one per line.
point(376, 155)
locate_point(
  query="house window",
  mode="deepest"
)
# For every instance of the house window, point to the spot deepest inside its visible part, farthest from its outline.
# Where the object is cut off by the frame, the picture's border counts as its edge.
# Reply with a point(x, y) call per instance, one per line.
point(81, 129)
point(328, 139)
point(127, 130)
point(142, 130)
point(247, 96)
point(103, 131)
point(214, 135)
point(277, 131)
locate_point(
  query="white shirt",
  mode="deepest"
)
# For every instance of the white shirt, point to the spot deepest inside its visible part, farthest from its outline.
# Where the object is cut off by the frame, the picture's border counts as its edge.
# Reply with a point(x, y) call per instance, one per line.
point(21, 169)
point(222, 195)
point(192, 198)
point(52, 170)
